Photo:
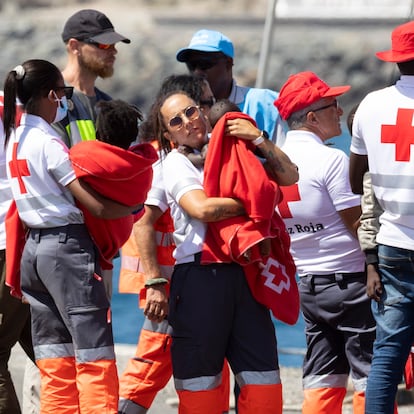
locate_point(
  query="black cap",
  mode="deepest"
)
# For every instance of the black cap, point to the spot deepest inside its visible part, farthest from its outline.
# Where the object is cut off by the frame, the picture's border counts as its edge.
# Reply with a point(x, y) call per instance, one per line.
point(92, 25)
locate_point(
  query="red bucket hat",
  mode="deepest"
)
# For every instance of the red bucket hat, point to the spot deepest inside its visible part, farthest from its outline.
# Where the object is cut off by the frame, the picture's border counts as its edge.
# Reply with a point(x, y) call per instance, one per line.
point(402, 45)
point(302, 90)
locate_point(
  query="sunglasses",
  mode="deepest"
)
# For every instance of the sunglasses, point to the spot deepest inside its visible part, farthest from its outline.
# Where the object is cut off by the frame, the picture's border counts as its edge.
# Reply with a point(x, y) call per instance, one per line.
point(203, 63)
point(67, 90)
point(101, 46)
point(208, 102)
point(191, 113)
point(334, 103)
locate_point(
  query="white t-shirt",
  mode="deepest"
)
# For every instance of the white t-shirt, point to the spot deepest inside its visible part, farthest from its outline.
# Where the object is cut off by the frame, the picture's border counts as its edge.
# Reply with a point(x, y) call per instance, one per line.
point(181, 176)
point(383, 129)
point(44, 169)
point(320, 242)
point(156, 195)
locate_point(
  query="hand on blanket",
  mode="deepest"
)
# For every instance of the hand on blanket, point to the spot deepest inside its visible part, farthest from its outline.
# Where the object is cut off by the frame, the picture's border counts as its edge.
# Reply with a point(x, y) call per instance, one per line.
point(264, 250)
point(242, 128)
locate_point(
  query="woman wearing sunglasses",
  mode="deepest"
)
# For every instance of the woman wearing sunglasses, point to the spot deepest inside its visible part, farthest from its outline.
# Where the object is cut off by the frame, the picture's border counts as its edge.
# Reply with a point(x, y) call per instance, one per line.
point(211, 308)
point(60, 273)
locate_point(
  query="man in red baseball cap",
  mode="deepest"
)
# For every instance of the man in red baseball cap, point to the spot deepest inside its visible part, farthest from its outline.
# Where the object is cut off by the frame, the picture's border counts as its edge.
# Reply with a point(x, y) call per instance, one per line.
point(382, 138)
point(322, 214)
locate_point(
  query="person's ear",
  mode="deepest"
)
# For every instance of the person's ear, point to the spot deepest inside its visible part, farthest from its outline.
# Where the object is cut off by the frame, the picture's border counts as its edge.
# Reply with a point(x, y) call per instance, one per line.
point(167, 136)
point(73, 46)
point(311, 117)
point(229, 63)
point(52, 95)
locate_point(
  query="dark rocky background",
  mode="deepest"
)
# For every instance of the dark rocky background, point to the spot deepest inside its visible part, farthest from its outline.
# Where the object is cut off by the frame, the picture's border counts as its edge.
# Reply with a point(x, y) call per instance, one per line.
point(338, 50)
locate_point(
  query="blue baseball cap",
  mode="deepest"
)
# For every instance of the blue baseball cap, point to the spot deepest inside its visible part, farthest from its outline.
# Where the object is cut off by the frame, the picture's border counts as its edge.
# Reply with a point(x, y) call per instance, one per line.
point(207, 41)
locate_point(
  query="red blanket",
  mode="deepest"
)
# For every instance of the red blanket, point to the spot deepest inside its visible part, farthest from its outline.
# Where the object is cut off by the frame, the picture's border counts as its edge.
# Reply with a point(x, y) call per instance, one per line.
point(121, 175)
point(232, 170)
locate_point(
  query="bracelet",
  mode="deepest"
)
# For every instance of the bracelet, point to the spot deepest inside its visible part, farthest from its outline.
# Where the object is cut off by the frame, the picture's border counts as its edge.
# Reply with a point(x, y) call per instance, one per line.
point(260, 139)
point(156, 281)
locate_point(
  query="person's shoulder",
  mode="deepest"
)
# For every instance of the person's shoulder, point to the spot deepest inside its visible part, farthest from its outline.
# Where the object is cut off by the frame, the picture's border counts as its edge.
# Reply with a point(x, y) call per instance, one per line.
point(101, 95)
point(263, 93)
point(375, 97)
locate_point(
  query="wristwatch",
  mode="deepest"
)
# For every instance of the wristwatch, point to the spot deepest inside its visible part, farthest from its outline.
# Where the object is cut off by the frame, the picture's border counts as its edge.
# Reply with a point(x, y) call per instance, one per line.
point(263, 135)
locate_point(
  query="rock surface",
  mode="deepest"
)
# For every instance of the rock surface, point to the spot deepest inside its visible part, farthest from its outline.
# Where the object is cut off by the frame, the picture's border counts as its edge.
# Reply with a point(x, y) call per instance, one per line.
point(339, 51)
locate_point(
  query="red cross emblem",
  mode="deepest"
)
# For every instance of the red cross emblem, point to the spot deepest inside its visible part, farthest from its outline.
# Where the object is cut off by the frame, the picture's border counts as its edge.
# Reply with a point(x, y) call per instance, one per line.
point(19, 169)
point(401, 134)
point(276, 276)
point(290, 194)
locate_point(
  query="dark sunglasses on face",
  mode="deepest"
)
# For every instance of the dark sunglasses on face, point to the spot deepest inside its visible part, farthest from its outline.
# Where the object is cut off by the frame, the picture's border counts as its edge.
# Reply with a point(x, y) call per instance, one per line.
point(334, 103)
point(191, 113)
point(203, 63)
point(102, 46)
point(67, 90)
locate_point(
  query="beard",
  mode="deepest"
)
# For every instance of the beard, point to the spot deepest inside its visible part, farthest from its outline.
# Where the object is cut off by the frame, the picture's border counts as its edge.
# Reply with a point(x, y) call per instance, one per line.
point(96, 65)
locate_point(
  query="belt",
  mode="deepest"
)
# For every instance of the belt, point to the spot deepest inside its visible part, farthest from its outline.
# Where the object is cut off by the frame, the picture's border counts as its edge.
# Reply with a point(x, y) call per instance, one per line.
point(335, 277)
point(62, 231)
point(341, 279)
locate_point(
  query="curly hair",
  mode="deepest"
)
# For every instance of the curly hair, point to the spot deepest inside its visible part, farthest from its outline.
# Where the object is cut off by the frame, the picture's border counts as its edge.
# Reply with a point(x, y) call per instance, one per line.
point(221, 107)
point(117, 122)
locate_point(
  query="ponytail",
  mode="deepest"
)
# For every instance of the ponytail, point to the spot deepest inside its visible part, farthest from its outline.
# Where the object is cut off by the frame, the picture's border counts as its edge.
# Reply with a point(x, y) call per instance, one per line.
point(10, 96)
point(27, 84)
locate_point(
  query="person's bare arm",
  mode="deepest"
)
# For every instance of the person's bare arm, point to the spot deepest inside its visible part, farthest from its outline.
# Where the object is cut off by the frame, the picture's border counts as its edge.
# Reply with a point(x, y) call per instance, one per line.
point(98, 205)
point(350, 217)
point(278, 164)
point(358, 166)
point(210, 209)
point(374, 286)
point(156, 306)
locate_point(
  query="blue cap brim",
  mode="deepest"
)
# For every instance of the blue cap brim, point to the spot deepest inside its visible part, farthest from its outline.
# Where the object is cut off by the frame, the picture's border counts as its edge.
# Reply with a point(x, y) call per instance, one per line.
point(182, 54)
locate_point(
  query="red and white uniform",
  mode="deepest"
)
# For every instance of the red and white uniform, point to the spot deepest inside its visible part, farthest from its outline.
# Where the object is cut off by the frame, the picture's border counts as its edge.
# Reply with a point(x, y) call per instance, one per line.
point(218, 295)
point(339, 326)
point(60, 277)
point(389, 156)
point(38, 183)
point(310, 208)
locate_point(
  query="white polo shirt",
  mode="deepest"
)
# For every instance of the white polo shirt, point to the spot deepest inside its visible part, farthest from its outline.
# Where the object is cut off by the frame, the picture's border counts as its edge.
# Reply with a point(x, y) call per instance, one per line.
point(320, 242)
point(44, 169)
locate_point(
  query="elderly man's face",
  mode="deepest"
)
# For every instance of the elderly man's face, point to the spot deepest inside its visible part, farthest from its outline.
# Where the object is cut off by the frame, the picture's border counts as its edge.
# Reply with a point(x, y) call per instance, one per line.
point(328, 112)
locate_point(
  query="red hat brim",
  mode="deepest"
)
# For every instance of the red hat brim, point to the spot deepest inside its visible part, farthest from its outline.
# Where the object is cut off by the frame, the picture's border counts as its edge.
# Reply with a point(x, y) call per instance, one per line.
point(395, 57)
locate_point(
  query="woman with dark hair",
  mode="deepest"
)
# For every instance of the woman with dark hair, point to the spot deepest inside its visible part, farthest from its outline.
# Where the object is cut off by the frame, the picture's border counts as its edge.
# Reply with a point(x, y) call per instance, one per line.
point(211, 309)
point(60, 272)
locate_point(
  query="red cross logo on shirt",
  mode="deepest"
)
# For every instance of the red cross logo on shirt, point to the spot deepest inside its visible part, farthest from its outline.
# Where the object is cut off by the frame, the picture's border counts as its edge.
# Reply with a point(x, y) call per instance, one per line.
point(290, 194)
point(19, 169)
point(401, 134)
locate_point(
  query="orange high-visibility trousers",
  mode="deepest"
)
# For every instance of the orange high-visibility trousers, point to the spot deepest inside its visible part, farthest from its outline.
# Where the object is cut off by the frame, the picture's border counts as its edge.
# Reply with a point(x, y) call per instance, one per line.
point(260, 399)
point(70, 388)
point(58, 383)
point(323, 400)
point(330, 400)
point(151, 369)
point(253, 399)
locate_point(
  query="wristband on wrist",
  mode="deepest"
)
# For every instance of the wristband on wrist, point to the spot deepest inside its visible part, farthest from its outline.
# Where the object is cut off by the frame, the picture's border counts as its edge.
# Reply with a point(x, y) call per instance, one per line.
point(263, 135)
point(156, 281)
